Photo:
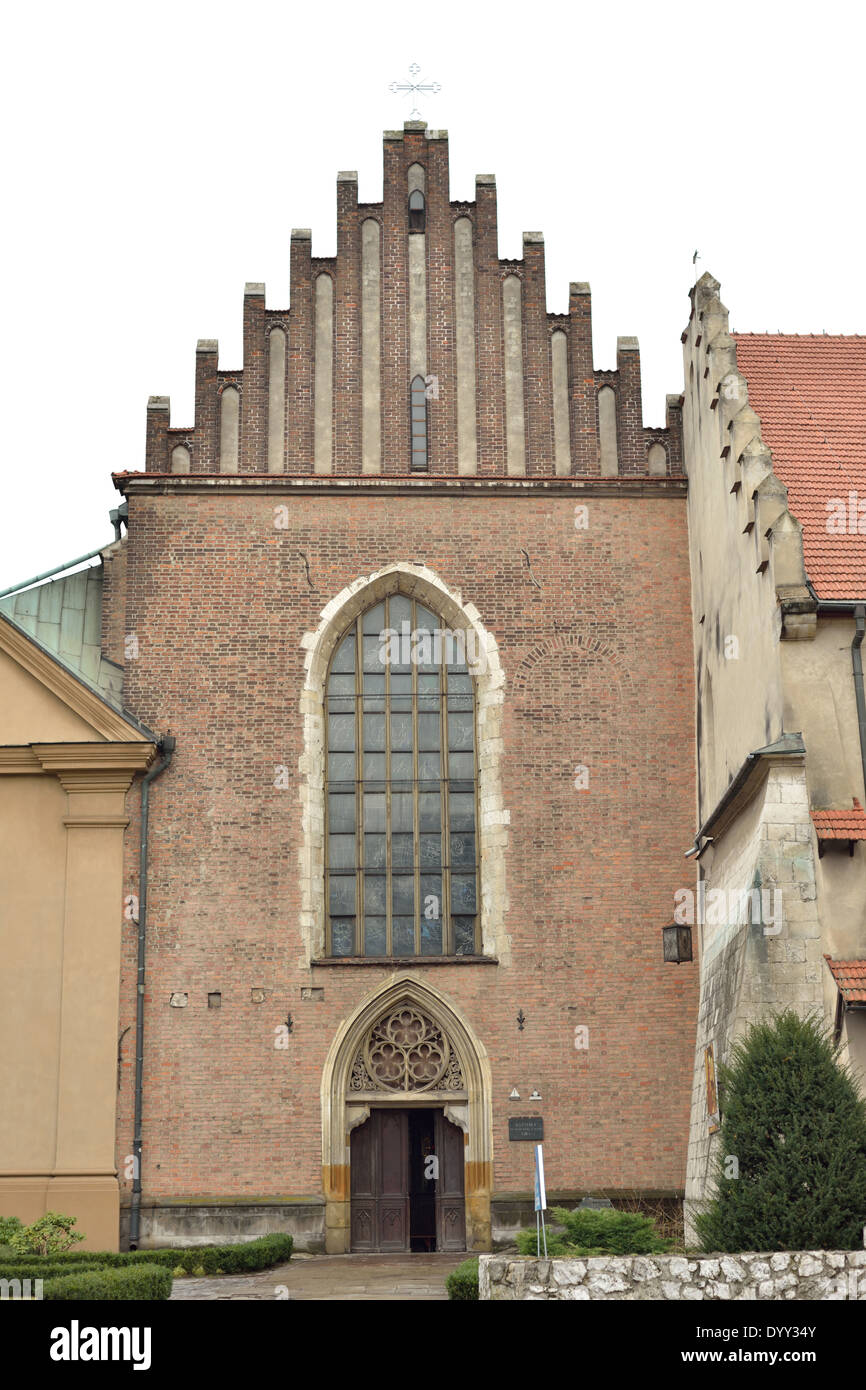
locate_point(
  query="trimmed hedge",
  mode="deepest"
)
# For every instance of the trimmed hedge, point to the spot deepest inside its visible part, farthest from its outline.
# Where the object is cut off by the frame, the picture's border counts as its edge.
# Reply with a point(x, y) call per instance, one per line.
point(44, 1269)
point(94, 1283)
point(248, 1256)
point(140, 1282)
point(462, 1282)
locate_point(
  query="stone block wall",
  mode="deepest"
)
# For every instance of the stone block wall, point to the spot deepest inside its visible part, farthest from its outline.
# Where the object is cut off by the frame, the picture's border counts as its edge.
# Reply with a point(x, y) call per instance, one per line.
point(805, 1274)
point(750, 970)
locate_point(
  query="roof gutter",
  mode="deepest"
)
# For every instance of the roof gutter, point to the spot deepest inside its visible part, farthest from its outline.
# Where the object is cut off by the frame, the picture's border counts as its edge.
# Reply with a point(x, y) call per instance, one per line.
point(58, 569)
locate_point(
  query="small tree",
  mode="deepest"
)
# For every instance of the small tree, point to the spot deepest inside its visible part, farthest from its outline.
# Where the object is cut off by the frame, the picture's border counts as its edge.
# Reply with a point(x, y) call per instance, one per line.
point(50, 1235)
point(791, 1166)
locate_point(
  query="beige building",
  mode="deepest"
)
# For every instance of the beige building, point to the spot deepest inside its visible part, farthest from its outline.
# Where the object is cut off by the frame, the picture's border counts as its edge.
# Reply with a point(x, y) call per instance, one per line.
point(68, 755)
point(774, 457)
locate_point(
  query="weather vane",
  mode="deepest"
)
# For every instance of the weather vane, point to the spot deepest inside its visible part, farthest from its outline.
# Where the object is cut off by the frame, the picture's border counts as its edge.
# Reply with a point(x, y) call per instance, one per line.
point(407, 88)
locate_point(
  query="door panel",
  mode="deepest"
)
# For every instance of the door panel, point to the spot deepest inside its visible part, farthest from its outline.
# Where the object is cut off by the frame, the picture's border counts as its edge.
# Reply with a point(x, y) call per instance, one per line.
point(450, 1203)
point(379, 1183)
point(363, 1209)
point(394, 1179)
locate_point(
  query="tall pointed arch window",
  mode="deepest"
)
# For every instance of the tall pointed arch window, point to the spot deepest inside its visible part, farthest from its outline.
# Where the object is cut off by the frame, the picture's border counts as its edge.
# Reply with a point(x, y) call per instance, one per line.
point(419, 424)
point(401, 802)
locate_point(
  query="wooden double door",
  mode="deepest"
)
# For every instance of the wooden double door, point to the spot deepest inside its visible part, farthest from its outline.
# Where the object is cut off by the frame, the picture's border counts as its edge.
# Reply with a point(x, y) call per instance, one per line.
point(407, 1182)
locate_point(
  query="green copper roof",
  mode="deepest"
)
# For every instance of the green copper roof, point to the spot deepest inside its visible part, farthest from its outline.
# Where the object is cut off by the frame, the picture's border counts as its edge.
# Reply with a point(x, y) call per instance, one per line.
point(65, 617)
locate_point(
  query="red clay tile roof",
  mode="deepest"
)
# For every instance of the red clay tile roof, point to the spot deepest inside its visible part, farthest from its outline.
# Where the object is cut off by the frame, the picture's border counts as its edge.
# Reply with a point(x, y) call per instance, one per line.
point(810, 394)
point(850, 976)
point(841, 825)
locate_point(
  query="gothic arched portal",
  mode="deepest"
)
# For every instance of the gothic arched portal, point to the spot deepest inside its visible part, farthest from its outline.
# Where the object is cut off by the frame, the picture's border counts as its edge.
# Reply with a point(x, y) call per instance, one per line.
point(451, 1071)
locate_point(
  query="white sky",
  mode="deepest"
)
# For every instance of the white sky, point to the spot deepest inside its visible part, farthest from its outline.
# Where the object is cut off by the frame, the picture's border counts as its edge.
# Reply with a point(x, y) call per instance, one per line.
point(157, 156)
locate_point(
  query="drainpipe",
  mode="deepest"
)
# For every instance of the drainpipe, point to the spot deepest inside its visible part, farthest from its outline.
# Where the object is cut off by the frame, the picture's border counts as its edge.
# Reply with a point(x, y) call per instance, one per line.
point(857, 663)
point(165, 748)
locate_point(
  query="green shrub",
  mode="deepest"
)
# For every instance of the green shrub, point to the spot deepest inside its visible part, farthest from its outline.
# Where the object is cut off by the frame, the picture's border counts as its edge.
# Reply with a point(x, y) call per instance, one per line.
point(50, 1235)
point(247, 1256)
point(140, 1282)
point(792, 1119)
point(462, 1282)
point(8, 1227)
point(528, 1245)
point(597, 1232)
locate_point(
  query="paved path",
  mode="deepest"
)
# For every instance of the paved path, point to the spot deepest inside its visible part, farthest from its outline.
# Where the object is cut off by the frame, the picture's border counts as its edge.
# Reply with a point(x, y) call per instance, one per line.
point(397, 1278)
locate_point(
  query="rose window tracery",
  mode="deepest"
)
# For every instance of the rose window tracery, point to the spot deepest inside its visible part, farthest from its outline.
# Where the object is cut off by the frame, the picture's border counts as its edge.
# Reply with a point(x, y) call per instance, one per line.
point(406, 1051)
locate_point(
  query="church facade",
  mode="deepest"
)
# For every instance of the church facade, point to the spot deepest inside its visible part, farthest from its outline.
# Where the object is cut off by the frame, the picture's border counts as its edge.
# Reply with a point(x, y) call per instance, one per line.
point(404, 620)
point(403, 891)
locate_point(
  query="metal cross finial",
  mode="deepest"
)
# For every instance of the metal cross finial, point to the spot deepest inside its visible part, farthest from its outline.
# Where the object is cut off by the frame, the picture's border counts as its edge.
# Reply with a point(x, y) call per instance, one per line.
point(407, 88)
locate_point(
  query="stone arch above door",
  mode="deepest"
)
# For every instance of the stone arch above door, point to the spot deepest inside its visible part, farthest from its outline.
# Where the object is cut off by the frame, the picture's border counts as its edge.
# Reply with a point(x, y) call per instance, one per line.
point(436, 1058)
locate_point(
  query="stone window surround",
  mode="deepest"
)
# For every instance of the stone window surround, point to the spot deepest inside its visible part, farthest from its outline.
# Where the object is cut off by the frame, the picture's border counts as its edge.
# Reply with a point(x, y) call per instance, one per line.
point(423, 584)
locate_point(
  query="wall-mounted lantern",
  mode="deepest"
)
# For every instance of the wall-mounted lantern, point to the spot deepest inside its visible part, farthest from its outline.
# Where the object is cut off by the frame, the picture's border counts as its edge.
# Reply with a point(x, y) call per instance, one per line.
point(677, 943)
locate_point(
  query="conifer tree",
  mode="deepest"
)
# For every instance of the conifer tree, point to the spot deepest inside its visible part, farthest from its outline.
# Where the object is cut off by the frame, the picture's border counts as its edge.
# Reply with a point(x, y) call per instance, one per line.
point(796, 1127)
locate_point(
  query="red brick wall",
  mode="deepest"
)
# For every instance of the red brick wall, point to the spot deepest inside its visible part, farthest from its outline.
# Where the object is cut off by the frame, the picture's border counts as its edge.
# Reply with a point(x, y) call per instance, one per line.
point(114, 602)
point(598, 667)
point(400, 151)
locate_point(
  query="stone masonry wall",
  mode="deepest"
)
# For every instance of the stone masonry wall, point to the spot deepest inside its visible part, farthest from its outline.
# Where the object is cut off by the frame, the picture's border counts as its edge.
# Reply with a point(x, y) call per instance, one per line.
point(826, 1275)
point(748, 971)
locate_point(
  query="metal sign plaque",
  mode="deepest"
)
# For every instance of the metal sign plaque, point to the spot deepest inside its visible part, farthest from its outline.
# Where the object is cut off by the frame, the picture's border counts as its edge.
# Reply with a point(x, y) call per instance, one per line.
point(529, 1127)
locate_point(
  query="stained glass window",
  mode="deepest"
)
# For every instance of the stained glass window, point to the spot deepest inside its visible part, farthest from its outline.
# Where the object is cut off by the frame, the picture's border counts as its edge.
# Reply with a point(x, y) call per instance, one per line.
point(401, 805)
